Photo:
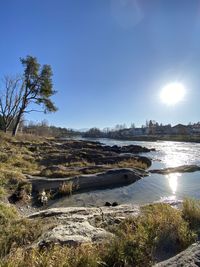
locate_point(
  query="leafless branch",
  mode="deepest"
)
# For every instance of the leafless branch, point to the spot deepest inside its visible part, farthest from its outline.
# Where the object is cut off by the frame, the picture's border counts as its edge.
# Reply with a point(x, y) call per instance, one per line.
point(10, 99)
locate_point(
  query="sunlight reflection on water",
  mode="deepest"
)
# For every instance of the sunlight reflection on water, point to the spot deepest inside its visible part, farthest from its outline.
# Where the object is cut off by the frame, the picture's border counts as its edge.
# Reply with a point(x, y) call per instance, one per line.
point(173, 181)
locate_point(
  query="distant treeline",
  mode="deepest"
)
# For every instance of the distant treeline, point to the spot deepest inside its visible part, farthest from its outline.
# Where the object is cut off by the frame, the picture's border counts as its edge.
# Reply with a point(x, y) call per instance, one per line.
point(43, 129)
point(151, 128)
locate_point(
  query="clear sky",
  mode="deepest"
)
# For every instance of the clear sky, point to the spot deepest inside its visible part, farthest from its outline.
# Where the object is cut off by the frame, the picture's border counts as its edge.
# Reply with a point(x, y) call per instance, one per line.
point(110, 58)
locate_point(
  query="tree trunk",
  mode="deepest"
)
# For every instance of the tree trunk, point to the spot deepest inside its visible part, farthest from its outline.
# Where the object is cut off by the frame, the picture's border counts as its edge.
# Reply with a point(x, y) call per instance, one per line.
point(16, 126)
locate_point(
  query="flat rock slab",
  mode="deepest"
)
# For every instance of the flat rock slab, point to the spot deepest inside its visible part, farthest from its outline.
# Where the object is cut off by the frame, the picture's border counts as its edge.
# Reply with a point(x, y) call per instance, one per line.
point(187, 258)
point(76, 225)
point(74, 233)
point(183, 168)
point(111, 178)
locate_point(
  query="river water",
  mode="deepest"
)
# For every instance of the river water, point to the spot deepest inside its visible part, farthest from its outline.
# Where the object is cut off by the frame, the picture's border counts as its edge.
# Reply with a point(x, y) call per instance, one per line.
point(156, 187)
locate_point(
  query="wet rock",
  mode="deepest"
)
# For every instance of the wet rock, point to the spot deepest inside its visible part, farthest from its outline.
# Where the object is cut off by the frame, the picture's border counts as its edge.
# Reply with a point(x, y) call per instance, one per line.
point(183, 168)
point(107, 204)
point(108, 179)
point(127, 149)
point(187, 258)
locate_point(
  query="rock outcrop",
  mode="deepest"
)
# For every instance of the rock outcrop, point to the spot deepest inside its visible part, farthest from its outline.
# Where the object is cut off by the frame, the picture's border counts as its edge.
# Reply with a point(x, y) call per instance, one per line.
point(187, 258)
point(93, 152)
point(76, 225)
point(127, 149)
point(111, 178)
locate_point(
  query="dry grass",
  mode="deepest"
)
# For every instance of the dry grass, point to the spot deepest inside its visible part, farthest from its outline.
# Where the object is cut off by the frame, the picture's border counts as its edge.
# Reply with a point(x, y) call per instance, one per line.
point(66, 189)
point(16, 232)
point(58, 174)
point(130, 163)
point(57, 256)
point(139, 240)
point(191, 213)
point(15, 161)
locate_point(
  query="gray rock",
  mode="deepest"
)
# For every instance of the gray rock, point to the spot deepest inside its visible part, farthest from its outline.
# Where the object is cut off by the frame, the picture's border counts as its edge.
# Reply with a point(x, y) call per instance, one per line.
point(76, 225)
point(111, 178)
point(74, 234)
point(187, 258)
point(183, 168)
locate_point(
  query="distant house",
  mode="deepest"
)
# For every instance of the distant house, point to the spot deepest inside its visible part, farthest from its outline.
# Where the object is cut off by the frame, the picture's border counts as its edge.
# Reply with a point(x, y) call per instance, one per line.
point(181, 129)
point(195, 130)
point(140, 131)
point(133, 132)
point(163, 130)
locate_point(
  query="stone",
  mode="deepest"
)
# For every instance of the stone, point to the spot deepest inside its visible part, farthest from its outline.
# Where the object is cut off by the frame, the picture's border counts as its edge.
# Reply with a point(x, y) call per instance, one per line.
point(187, 258)
point(75, 234)
point(108, 204)
point(76, 225)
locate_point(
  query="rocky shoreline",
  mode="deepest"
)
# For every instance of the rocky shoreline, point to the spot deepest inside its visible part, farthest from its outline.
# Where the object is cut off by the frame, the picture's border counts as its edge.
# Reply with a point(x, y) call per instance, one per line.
point(67, 167)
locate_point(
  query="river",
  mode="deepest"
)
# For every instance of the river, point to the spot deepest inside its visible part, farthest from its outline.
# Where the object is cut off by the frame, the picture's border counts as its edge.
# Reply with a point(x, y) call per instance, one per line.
point(156, 187)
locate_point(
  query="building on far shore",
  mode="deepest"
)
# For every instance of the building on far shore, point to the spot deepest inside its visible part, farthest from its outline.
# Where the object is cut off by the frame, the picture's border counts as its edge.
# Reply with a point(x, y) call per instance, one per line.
point(181, 129)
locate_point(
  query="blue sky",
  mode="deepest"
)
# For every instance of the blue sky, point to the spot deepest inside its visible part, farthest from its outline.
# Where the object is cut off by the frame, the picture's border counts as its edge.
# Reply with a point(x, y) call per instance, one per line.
point(110, 58)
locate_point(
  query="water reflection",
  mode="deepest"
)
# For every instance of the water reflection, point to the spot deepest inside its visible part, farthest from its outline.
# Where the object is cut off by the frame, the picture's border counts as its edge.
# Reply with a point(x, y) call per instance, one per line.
point(173, 181)
point(174, 157)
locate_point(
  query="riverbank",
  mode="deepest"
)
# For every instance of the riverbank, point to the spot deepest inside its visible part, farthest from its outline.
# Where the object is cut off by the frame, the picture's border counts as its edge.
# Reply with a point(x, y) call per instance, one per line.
point(63, 167)
point(32, 234)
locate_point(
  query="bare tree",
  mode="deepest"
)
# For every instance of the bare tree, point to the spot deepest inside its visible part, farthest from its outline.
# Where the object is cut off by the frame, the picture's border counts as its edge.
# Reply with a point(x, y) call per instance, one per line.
point(10, 98)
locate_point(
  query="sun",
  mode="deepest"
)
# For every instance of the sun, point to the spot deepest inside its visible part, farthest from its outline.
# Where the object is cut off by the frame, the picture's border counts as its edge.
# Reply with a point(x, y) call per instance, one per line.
point(172, 93)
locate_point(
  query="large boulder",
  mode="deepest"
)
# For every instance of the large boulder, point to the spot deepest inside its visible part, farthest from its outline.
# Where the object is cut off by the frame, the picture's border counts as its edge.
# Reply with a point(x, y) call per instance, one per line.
point(187, 258)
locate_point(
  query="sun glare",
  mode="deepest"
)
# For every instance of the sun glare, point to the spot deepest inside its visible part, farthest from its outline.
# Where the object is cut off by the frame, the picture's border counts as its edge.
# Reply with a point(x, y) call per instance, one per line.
point(172, 93)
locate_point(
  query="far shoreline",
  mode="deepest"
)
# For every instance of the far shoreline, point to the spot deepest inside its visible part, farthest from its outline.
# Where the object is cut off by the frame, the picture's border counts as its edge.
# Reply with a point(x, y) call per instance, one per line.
point(178, 138)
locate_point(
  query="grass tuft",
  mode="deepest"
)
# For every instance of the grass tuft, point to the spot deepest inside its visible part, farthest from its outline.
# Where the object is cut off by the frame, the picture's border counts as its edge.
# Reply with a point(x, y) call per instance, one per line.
point(191, 213)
